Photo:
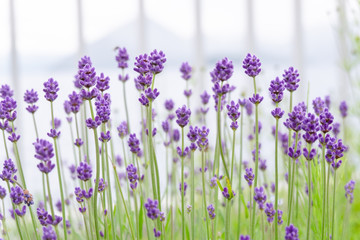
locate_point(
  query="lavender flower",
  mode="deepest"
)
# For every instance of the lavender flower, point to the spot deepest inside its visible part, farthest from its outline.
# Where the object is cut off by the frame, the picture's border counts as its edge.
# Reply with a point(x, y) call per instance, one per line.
point(17, 195)
point(157, 234)
point(31, 97)
point(211, 211)
point(291, 79)
point(256, 99)
point(249, 176)
point(51, 87)
point(123, 129)
point(5, 91)
point(310, 125)
point(122, 57)
point(291, 233)
point(252, 65)
point(134, 143)
point(277, 90)
point(233, 111)
point(185, 187)
point(156, 61)
point(260, 197)
point(202, 140)
point(318, 105)
point(280, 221)
point(205, 98)
point(349, 190)
point(151, 207)
point(223, 70)
point(75, 102)
point(9, 170)
point(270, 212)
point(326, 119)
point(105, 137)
point(102, 104)
point(183, 115)
point(169, 104)
point(226, 193)
point(295, 119)
point(277, 113)
point(132, 175)
point(185, 69)
point(244, 237)
point(343, 109)
point(49, 233)
point(2, 192)
point(84, 171)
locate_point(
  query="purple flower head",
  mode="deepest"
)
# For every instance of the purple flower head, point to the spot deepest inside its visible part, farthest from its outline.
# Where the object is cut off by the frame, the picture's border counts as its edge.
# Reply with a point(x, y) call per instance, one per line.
point(2, 192)
point(260, 197)
point(294, 154)
point(102, 184)
point(122, 57)
point(13, 137)
point(32, 108)
point(262, 164)
point(252, 65)
point(336, 129)
point(220, 90)
point(43, 150)
point(88, 95)
point(291, 233)
point(249, 176)
point(183, 115)
point(42, 216)
point(188, 93)
point(277, 113)
point(53, 133)
point(248, 108)
point(102, 104)
point(17, 195)
point(87, 76)
point(176, 135)
point(157, 234)
point(223, 70)
point(182, 153)
point(162, 217)
point(185, 187)
point(327, 101)
point(233, 111)
point(142, 64)
point(102, 82)
point(318, 105)
point(309, 155)
point(144, 100)
point(84, 171)
point(343, 109)
point(7, 106)
point(152, 94)
point(169, 104)
point(9, 169)
point(291, 79)
point(226, 193)
point(132, 175)
point(185, 70)
point(31, 96)
point(78, 142)
point(193, 133)
point(277, 90)
point(165, 126)
point(49, 233)
point(105, 137)
point(244, 237)
point(295, 119)
point(280, 221)
point(81, 194)
point(51, 87)
point(144, 80)
point(311, 126)
point(134, 143)
point(156, 61)
point(46, 166)
point(336, 164)
point(5, 91)
point(349, 190)
point(123, 129)
point(326, 119)
point(151, 207)
point(74, 102)
point(270, 212)
point(202, 140)
point(93, 124)
point(256, 99)
point(205, 98)
point(84, 61)
point(211, 211)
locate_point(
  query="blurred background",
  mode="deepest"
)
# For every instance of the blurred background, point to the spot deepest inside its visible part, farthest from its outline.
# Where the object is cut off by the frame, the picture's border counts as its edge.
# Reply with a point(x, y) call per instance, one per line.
point(42, 39)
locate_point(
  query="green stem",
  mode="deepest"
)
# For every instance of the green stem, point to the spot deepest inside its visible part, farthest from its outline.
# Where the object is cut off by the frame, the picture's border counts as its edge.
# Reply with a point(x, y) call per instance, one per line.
point(324, 193)
point(126, 107)
point(86, 226)
point(289, 142)
point(5, 145)
point(309, 210)
point(232, 157)
point(204, 193)
point(193, 196)
point(263, 226)
point(78, 136)
point(333, 214)
point(95, 205)
point(15, 215)
point(291, 181)
point(240, 176)
point(109, 192)
point(182, 186)
point(276, 177)
point(327, 201)
point(59, 174)
point(50, 202)
point(35, 126)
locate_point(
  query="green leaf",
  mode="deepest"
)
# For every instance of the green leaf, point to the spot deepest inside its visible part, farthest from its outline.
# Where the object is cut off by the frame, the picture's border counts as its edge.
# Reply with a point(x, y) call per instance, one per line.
point(245, 207)
point(168, 221)
point(141, 219)
point(179, 211)
point(187, 231)
point(219, 184)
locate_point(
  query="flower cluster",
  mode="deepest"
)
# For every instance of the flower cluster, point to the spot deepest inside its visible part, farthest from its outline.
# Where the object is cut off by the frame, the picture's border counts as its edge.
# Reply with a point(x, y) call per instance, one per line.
point(349, 190)
point(132, 175)
point(44, 152)
point(211, 211)
point(260, 197)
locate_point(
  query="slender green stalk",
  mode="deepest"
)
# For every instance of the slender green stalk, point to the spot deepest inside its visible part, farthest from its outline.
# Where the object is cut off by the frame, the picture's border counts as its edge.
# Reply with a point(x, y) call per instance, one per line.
point(276, 177)
point(26, 230)
point(256, 166)
point(109, 192)
point(289, 143)
point(327, 201)
point(262, 226)
point(86, 227)
point(136, 216)
point(15, 215)
point(233, 157)
point(333, 213)
point(309, 210)
point(324, 193)
point(250, 206)
point(192, 196)
point(50, 202)
point(204, 193)
point(78, 136)
point(126, 107)
point(5, 145)
point(123, 200)
point(95, 205)
point(5, 229)
point(240, 174)
point(59, 174)
point(291, 181)
point(182, 187)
